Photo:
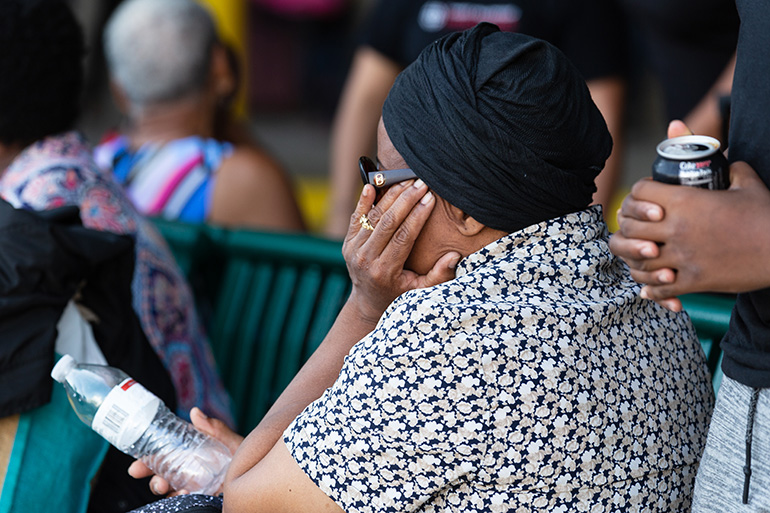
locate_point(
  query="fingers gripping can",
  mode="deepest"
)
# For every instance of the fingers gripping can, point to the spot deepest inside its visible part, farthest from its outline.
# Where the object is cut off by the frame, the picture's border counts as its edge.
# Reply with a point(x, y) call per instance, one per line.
point(692, 160)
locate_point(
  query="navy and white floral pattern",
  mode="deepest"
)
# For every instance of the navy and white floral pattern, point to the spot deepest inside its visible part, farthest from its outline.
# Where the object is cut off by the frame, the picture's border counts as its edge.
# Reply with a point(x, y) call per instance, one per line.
point(537, 380)
point(184, 504)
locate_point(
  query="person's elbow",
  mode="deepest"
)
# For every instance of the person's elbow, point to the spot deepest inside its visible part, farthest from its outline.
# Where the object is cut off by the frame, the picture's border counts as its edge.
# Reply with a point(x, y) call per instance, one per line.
point(276, 484)
point(241, 496)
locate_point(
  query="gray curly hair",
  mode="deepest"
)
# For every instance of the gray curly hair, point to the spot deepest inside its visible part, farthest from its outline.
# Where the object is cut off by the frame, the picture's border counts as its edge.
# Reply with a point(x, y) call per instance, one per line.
point(159, 50)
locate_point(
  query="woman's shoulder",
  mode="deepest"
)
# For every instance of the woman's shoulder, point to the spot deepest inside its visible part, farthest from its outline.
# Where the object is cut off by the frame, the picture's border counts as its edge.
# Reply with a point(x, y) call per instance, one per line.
point(253, 189)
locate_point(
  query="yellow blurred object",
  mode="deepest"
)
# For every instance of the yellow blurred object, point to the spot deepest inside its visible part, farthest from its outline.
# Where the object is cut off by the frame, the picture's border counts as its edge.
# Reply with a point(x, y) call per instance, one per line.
point(611, 216)
point(312, 196)
point(230, 17)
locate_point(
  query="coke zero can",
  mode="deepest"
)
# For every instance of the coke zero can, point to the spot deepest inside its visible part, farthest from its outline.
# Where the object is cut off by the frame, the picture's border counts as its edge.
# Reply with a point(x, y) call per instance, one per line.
point(692, 160)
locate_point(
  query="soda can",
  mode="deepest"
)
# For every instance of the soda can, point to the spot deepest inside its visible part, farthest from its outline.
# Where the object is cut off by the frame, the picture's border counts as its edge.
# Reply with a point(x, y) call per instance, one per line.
point(692, 160)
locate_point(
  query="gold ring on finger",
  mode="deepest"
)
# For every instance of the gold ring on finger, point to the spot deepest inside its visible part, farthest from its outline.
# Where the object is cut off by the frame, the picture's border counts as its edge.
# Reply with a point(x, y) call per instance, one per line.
point(365, 224)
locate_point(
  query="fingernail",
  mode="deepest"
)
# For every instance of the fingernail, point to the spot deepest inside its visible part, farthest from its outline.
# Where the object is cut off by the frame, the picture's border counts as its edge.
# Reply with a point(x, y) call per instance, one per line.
point(653, 214)
point(647, 251)
point(200, 412)
point(419, 183)
point(665, 278)
point(643, 294)
point(155, 488)
point(453, 262)
point(427, 198)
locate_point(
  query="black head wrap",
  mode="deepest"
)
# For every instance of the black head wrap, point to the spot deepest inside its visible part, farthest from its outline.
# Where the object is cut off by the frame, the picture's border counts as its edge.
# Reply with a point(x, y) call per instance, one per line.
point(500, 125)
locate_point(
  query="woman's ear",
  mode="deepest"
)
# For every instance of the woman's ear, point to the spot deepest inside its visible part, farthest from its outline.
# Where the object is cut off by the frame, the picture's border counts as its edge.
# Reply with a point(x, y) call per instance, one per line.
point(470, 226)
point(222, 75)
point(464, 223)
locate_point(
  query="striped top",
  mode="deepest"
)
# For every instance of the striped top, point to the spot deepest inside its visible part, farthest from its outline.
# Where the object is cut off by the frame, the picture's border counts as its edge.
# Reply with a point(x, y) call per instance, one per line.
point(173, 180)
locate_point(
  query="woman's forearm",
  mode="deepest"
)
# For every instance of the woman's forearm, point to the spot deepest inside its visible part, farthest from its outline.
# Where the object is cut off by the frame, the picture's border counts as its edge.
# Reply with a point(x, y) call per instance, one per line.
point(318, 374)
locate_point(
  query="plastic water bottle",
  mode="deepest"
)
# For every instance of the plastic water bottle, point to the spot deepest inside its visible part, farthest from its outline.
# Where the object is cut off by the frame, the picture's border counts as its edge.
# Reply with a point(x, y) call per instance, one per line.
point(135, 421)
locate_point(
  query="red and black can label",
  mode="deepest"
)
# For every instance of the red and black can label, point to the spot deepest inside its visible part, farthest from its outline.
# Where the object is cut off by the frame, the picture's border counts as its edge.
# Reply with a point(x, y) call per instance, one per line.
point(692, 160)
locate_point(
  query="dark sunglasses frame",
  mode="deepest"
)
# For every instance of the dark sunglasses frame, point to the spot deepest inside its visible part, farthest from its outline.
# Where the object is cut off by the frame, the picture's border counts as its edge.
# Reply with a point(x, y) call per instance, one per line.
point(382, 178)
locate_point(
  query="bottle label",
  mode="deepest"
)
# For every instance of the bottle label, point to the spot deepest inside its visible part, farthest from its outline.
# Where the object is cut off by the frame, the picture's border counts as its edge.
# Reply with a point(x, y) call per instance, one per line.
point(125, 414)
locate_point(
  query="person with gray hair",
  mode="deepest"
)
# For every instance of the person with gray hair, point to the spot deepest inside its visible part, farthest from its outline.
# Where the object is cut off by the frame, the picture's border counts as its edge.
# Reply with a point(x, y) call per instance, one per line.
point(159, 50)
point(171, 77)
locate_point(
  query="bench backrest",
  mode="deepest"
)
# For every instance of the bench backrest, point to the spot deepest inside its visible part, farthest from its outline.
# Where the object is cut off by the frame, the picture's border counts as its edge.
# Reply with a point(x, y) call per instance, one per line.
point(267, 299)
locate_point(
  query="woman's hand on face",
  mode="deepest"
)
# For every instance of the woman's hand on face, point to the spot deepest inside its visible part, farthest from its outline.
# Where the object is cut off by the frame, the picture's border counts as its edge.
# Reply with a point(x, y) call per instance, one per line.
point(212, 427)
point(375, 258)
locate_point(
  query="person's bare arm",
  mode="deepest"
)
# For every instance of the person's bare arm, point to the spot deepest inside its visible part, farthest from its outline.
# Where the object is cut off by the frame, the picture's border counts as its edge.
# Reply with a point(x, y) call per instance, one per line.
point(609, 95)
point(278, 485)
point(263, 476)
point(315, 376)
point(253, 191)
point(354, 129)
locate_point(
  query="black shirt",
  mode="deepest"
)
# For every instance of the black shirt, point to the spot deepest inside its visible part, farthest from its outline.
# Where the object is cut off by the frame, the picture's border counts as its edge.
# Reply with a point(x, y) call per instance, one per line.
point(591, 33)
point(688, 44)
point(747, 343)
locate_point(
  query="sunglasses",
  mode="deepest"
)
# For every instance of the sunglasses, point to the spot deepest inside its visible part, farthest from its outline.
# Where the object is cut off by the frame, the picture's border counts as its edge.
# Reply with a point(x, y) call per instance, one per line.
point(382, 178)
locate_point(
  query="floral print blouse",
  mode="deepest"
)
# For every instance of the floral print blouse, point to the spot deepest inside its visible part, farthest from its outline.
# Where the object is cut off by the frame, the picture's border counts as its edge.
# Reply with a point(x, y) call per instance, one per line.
point(58, 171)
point(536, 380)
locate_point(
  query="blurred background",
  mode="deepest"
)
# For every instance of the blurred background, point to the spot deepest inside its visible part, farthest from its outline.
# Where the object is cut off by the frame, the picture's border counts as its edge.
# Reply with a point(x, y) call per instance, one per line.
point(295, 57)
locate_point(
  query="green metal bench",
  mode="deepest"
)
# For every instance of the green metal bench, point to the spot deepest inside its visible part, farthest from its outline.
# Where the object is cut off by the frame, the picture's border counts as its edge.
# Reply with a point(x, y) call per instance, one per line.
point(267, 299)
point(279, 296)
point(710, 314)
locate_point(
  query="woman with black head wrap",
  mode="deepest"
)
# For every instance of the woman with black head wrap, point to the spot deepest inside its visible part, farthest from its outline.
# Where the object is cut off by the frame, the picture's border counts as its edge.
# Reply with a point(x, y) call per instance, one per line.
point(506, 361)
point(591, 33)
point(525, 118)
